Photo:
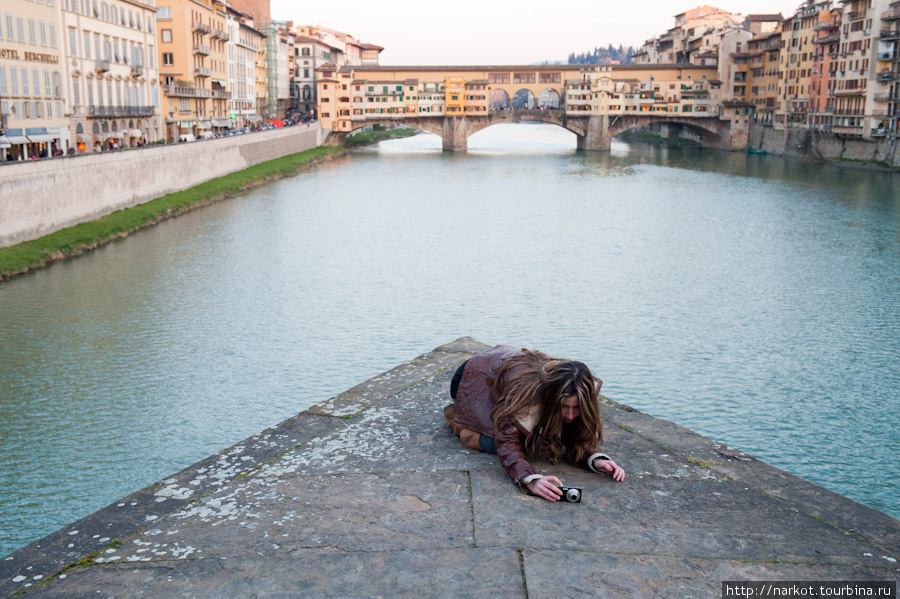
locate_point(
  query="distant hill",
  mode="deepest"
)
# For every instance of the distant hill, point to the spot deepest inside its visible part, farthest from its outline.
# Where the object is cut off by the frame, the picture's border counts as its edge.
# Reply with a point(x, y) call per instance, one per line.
point(603, 55)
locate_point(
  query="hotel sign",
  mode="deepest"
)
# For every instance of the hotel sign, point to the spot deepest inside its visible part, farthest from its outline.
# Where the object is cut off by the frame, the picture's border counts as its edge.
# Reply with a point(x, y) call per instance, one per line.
point(28, 56)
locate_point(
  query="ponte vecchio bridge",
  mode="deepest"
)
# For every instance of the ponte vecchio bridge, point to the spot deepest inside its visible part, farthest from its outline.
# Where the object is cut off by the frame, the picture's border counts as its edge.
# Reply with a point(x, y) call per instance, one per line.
point(594, 102)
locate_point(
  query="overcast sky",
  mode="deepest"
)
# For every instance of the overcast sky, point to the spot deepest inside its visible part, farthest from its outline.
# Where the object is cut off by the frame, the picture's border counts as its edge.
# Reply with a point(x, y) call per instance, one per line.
point(421, 32)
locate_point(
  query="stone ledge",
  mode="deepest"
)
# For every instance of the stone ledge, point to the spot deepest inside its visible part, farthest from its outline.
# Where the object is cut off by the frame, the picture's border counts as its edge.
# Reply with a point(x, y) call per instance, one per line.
point(372, 491)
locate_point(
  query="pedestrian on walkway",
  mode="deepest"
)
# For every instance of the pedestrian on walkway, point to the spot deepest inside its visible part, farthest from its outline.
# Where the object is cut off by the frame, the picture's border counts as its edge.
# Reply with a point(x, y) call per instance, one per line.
point(516, 402)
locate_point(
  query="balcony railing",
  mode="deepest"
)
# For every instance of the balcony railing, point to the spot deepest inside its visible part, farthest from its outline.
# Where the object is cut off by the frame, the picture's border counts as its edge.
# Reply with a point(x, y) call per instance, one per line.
point(820, 26)
point(887, 76)
point(891, 15)
point(883, 97)
point(847, 130)
point(827, 39)
point(137, 70)
point(221, 34)
point(200, 27)
point(180, 91)
point(202, 72)
point(885, 55)
point(201, 49)
point(101, 66)
point(883, 132)
point(889, 35)
point(120, 111)
point(856, 15)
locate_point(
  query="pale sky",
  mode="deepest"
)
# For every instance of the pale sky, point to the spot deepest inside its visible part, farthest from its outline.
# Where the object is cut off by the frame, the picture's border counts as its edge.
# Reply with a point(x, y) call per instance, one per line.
point(470, 32)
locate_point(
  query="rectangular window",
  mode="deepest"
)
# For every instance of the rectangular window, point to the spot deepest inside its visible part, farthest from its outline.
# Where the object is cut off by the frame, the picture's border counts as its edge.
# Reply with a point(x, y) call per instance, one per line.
point(52, 35)
point(47, 91)
point(1, 30)
point(3, 91)
point(87, 45)
point(32, 38)
point(164, 13)
point(14, 81)
point(57, 79)
point(100, 93)
point(36, 80)
point(43, 29)
point(20, 29)
point(73, 43)
point(90, 92)
point(4, 107)
point(168, 59)
point(166, 35)
point(25, 83)
point(58, 104)
point(76, 91)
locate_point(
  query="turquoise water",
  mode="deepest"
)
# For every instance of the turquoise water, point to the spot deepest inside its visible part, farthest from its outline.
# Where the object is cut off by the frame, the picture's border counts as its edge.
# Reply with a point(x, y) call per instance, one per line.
point(751, 299)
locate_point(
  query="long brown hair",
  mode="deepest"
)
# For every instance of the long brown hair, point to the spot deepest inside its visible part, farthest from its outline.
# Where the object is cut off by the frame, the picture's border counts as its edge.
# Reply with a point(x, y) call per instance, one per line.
point(531, 379)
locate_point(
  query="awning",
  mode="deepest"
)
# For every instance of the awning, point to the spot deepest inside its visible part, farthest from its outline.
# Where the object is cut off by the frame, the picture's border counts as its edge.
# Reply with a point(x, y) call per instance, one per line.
point(203, 125)
point(254, 118)
point(221, 122)
point(39, 139)
point(135, 133)
point(115, 135)
point(4, 143)
point(220, 82)
point(17, 139)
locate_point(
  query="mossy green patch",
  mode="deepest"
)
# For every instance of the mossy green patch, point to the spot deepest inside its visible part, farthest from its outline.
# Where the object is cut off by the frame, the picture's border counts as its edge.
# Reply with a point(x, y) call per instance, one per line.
point(81, 238)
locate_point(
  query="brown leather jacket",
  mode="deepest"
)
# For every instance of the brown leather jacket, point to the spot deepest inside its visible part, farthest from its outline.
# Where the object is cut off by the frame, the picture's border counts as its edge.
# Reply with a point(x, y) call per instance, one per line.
point(475, 398)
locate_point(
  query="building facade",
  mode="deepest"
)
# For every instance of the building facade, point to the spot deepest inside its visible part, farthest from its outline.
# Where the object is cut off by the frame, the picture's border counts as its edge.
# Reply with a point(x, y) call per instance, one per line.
point(33, 108)
point(111, 73)
point(244, 47)
point(193, 67)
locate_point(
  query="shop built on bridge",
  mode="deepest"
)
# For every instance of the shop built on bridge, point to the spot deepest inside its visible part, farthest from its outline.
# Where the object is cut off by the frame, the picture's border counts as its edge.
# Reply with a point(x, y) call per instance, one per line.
point(594, 102)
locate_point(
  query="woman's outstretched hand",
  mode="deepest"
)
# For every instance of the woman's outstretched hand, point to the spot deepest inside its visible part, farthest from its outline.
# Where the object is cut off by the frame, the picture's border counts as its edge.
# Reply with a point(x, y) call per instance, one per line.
point(546, 487)
point(611, 467)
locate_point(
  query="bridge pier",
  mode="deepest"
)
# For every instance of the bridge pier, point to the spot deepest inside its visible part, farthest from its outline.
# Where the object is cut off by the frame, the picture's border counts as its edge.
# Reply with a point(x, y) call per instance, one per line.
point(455, 134)
point(596, 137)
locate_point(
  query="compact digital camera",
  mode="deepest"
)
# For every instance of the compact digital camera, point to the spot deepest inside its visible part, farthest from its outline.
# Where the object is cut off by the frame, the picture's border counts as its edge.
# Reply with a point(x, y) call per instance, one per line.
point(570, 494)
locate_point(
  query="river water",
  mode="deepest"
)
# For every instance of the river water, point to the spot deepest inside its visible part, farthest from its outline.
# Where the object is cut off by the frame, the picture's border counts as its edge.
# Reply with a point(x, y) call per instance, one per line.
point(751, 299)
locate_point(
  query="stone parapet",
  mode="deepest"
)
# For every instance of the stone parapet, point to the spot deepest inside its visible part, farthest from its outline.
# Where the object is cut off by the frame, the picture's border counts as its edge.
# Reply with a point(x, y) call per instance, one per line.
point(370, 494)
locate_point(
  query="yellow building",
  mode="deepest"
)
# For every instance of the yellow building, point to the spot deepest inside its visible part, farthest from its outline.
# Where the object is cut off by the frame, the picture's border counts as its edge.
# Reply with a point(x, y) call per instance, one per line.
point(193, 67)
point(32, 104)
point(454, 96)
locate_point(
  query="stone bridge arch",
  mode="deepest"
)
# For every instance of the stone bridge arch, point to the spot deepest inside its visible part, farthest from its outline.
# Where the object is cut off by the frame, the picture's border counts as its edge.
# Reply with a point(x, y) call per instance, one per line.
point(711, 130)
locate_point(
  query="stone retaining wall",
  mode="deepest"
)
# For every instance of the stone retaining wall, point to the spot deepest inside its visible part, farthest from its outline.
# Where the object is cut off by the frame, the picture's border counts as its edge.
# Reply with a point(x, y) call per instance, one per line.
point(821, 145)
point(40, 197)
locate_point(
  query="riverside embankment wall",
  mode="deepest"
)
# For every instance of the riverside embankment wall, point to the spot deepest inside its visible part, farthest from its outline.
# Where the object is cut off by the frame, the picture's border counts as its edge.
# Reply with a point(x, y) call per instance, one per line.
point(40, 197)
point(822, 145)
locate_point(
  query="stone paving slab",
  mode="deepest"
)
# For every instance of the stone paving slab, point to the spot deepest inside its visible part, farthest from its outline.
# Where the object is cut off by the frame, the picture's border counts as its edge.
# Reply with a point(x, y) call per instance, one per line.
point(370, 494)
point(306, 574)
point(570, 575)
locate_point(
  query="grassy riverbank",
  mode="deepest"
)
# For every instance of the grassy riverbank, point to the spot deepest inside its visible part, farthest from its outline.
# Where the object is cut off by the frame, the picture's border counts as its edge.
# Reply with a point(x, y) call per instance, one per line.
point(371, 137)
point(78, 239)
